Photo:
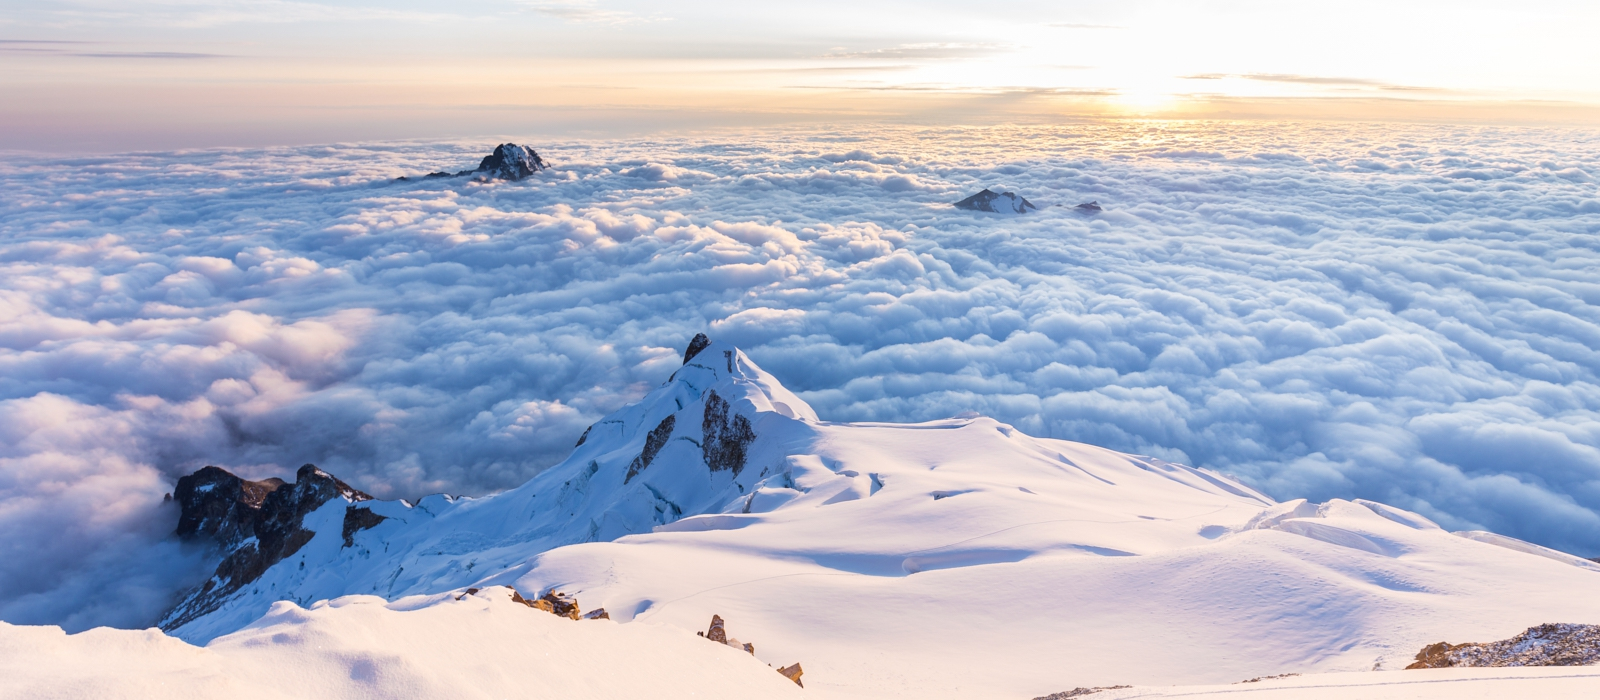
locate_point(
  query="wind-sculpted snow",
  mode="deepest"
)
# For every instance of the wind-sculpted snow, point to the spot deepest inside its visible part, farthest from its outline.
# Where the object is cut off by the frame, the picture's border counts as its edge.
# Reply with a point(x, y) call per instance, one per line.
point(1403, 314)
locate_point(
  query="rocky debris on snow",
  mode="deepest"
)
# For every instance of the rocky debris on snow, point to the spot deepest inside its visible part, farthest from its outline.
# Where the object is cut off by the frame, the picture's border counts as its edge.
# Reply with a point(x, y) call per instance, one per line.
point(793, 672)
point(1089, 207)
point(1080, 692)
point(358, 519)
point(1544, 645)
point(597, 614)
point(255, 523)
point(555, 603)
point(652, 445)
point(1258, 679)
point(725, 440)
point(469, 591)
point(718, 633)
point(508, 162)
point(997, 202)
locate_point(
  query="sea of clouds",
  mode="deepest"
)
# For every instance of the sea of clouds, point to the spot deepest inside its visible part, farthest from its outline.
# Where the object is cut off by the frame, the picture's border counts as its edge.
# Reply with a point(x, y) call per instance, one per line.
point(1407, 314)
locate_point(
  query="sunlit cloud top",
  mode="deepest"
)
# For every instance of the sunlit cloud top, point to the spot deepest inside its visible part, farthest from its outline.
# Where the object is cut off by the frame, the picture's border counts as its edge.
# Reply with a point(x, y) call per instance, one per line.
point(272, 70)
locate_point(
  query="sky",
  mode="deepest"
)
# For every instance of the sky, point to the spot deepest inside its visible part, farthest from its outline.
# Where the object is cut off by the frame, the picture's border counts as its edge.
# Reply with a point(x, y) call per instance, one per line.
point(1403, 313)
point(134, 74)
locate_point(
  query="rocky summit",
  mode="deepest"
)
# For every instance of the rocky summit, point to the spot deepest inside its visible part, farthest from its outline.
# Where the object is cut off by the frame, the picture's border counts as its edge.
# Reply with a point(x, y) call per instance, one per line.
point(255, 524)
point(997, 203)
point(509, 161)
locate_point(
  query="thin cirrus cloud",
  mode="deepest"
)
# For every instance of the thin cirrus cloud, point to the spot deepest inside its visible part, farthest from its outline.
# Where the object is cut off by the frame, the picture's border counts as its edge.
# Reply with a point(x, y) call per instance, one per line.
point(1314, 80)
point(923, 50)
point(1396, 313)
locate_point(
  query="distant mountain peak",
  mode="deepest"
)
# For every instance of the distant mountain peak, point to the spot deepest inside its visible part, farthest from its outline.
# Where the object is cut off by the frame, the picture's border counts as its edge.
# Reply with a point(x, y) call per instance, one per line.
point(509, 162)
point(997, 203)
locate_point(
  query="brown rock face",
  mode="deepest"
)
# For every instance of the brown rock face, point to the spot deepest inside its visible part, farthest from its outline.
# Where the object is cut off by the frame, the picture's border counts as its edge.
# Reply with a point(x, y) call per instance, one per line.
point(717, 633)
point(221, 508)
point(1544, 645)
point(554, 603)
point(793, 672)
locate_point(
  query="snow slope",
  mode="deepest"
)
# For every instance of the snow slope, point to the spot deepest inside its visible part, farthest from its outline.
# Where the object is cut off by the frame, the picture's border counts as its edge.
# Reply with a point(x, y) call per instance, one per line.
point(1432, 684)
point(427, 648)
point(956, 558)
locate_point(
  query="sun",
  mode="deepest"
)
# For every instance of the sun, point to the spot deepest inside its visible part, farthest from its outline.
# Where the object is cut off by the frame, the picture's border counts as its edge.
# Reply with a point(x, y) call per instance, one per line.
point(1144, 101)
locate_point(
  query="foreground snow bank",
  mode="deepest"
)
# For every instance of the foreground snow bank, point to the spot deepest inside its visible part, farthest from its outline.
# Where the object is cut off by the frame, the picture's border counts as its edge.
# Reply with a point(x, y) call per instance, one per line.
point(1432, 684)
point(424, 647)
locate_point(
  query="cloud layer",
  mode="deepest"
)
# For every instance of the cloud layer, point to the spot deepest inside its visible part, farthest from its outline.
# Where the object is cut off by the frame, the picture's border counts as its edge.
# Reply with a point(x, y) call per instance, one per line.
point(1407, 314)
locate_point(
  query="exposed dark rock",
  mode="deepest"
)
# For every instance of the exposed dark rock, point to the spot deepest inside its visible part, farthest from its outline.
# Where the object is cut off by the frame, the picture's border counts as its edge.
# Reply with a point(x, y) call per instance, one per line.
point(1089, 207)
point(1544, 645)
point(508, 162)
point(597, 614)
point(726, 439)
point(718, 632)
point(271, 513)
point(1079, 692)
point(1258, 679)
point(216, 504)
point(358, 519)
point(997, 202)
point(700, 342)
point(584, 437)
point(652, 444)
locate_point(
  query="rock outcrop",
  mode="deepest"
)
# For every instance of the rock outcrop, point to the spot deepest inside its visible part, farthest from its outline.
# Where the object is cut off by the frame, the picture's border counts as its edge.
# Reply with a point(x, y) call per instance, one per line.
point(1544, 645)
point(1089, 208)
point(254, 523)
point(997, 203)
point(1080, 692)
point(652, 445)
point(555, 603)
point(725, 437)
point(508, 162)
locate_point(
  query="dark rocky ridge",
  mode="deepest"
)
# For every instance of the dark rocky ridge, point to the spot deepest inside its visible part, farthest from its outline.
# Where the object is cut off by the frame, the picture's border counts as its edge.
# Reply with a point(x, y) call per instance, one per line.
point(725, 441)
point(652, 445)
point(508, 162)
point(255, 523)
point(997, 203)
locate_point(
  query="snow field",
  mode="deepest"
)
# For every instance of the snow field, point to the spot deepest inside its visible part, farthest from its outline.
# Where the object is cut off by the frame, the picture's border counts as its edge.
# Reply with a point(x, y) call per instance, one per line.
point(481, 647)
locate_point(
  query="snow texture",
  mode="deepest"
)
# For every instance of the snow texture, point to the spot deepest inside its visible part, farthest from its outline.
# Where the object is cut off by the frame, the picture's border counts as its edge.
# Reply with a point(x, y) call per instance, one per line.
point(1402, 314)
point(480, 646)
point(931, 560)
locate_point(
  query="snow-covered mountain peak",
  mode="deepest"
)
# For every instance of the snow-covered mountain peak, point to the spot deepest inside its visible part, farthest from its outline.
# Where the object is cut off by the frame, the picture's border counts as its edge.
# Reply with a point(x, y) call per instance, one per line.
point(864, 549)
point(997, 203)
